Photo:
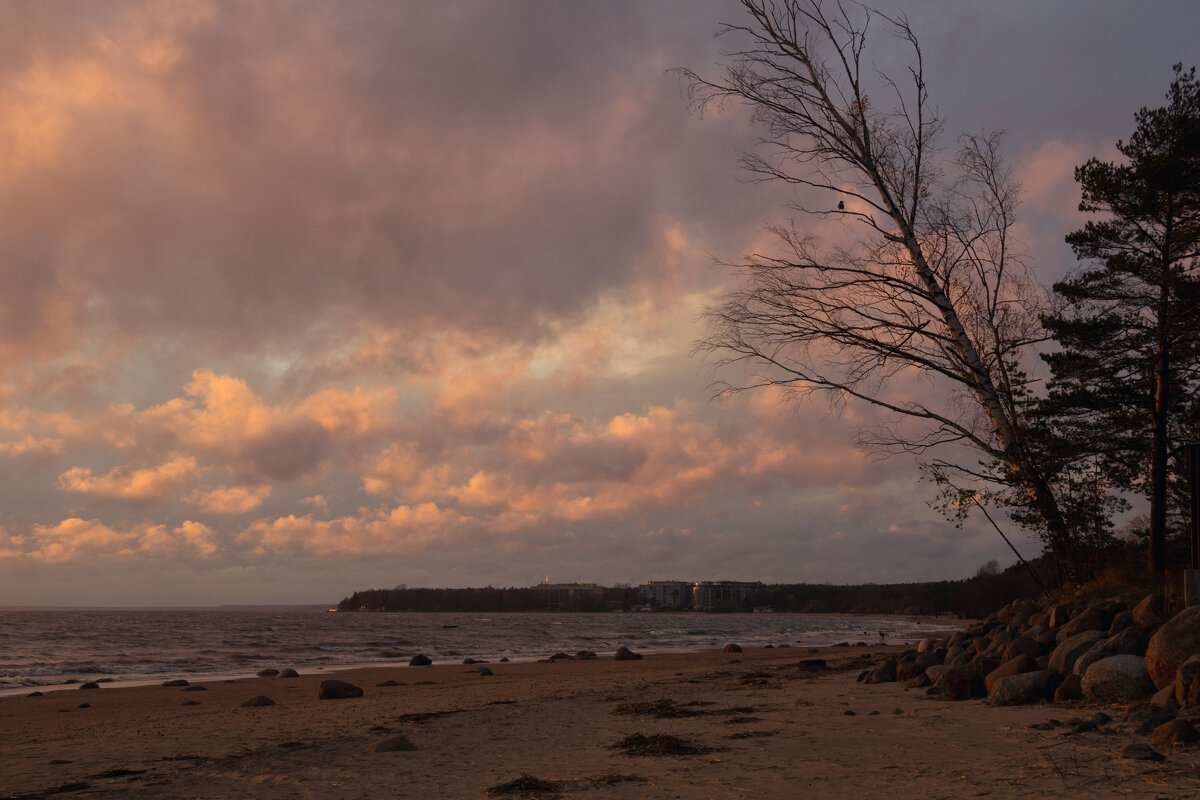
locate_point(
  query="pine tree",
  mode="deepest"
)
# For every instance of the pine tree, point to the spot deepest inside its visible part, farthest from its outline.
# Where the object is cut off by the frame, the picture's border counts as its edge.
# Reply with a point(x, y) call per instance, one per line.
point(1128, 368)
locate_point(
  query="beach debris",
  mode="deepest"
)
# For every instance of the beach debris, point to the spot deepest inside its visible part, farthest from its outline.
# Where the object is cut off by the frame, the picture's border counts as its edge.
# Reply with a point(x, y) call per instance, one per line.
point(732, 648)
point(334, 689)
point(526, 785)
point(195, 689)
point(751, 734)
point(270, 672)
point(395, 744)
point(662, 708)
point(260, 701)
point(484, 671)
point(420, 661)
point(659, 744)
point(190, 703)
point(84, 705)
point(175, 682)
point(625, 654)
point(289, 673)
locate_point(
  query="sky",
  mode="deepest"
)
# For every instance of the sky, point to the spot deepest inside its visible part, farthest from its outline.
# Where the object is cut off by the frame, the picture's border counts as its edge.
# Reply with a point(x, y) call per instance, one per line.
point(308, 297)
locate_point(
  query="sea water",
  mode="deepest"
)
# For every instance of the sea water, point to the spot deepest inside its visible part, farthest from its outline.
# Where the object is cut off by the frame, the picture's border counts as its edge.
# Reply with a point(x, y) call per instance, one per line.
point(54, 647)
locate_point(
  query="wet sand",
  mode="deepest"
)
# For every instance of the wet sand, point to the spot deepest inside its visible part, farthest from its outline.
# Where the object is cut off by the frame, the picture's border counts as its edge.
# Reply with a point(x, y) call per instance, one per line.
point(757, 724)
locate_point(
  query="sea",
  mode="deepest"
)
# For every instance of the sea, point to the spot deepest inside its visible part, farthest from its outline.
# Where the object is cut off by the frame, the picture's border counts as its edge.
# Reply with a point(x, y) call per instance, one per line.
point(59, 648)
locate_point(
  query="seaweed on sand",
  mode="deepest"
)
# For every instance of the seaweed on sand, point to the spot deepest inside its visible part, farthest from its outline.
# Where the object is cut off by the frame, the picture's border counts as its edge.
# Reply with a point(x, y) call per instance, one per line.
point(661, 708)
point(526, 785)
point(659, 744)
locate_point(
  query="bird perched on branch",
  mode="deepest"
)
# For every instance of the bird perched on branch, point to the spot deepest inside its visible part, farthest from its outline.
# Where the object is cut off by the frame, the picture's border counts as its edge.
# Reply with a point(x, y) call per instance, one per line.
point(841, 205)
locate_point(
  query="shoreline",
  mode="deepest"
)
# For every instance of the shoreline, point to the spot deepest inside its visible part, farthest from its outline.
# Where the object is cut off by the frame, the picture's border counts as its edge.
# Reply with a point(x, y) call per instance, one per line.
point(53, 677)
point(769, 726)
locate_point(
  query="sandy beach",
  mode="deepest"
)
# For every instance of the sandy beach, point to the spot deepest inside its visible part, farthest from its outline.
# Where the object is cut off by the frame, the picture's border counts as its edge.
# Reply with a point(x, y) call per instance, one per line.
point(755, 724)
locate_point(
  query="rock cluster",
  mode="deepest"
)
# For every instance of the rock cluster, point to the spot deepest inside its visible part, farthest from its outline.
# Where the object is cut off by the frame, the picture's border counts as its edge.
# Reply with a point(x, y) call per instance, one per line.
point(1104, 651)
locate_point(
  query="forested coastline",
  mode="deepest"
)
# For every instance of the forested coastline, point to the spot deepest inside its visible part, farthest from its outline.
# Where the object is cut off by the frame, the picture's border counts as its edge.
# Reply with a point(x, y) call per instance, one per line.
point(972, 597)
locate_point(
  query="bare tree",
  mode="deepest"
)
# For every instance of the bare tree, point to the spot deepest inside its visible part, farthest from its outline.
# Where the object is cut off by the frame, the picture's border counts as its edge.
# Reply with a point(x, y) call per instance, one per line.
point(930, 314)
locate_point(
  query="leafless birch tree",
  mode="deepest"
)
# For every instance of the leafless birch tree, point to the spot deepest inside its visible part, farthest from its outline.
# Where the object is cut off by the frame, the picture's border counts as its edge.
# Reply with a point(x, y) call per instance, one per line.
point(930, 313)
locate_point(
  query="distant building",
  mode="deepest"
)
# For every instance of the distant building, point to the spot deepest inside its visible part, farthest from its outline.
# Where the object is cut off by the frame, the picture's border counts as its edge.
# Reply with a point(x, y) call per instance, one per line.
point(716, 595)
point(666, 594)
point(699, 595)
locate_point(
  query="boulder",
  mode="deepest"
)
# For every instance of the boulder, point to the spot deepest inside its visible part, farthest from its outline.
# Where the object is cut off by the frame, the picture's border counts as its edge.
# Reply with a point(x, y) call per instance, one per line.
point(1062, 660)
point(258, 702)
point(175, 682)
point(1121, 621)
point(484, 671)
point(1014, 666)
point(1185, 679)
point(396, 744)
point(1165, 697)
point(1149, 613)
point(1117, 679)
point(559, 657)
point(1023, 688)
point(1070, 689)
point(586, 655)
point(732, 648)
point(960, 683)
point(1172, 644)
point(89, 685)
point(1021, 646)
point(338, 690)
point(884, 673)
point(1132, 641)
point(1058, 616)
point(289, 673)
point(1146, 717)
point(1177, 731)
point(1142, 752)
point(420, 661)
point(267, 673)
point(1090, 619)
point(936, 671)
point(625, 654)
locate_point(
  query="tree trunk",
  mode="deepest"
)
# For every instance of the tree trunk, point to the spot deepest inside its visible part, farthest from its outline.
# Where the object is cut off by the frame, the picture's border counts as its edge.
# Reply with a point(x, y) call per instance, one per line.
point(1160, 442)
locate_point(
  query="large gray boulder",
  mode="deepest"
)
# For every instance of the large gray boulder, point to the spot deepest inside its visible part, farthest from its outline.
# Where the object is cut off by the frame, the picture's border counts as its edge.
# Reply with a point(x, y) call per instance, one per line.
point(1062, 660)
point(1027, 687)
point(1132, 641)
point(1117, 679)
point(1174, 643)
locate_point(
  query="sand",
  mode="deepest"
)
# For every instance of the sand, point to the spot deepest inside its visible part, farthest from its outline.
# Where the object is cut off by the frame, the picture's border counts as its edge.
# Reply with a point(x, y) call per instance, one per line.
point(762, 726)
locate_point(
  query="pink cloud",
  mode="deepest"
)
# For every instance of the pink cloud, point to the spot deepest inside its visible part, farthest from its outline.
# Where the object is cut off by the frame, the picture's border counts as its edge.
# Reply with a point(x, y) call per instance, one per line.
point(136, 484)
point(229, 500)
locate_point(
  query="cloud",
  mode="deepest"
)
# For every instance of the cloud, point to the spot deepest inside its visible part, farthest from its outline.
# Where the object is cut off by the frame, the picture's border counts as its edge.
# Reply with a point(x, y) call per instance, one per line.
point(229, 500)
point(134, 484)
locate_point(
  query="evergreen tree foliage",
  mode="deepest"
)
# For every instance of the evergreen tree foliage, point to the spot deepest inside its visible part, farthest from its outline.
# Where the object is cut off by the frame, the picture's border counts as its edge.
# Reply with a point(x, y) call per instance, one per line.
point(1126, 375)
